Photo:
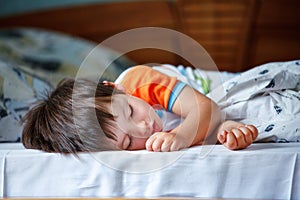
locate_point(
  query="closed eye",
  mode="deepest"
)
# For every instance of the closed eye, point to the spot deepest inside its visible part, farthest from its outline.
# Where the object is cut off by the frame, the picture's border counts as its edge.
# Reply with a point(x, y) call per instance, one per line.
point(129, 145)
point(131, 111)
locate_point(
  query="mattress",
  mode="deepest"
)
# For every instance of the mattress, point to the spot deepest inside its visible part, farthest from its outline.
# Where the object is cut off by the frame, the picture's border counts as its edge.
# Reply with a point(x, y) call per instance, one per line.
point(266, 170)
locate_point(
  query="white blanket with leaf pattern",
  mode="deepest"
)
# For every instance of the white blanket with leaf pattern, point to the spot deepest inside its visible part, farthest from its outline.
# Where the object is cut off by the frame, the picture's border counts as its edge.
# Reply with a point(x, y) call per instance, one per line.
point(267, 96)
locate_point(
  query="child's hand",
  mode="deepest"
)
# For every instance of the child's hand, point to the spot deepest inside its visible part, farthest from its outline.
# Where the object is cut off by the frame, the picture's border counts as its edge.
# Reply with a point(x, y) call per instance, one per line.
point(162, 141)
point(238, 137)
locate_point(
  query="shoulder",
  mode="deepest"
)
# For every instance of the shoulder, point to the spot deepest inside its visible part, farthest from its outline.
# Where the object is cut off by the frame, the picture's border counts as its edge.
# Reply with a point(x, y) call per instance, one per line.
point(144, 75)
point(139, 70)
point(136, 71)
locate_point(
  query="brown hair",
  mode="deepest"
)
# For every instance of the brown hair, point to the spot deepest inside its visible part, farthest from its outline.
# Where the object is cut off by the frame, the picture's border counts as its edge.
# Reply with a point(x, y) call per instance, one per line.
point(68, 120)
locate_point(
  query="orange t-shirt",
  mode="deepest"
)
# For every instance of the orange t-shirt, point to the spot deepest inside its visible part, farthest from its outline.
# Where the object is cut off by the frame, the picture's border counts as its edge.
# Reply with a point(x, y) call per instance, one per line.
point(150, 85)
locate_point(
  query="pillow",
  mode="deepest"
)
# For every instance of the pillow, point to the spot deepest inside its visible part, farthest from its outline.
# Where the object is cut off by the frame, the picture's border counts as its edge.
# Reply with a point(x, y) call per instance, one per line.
point(18, 90)
point(33, 61)
point(54, 55)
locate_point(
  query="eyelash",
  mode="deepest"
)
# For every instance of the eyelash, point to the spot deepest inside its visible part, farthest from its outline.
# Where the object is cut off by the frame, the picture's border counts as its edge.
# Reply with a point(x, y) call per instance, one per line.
point(131, 110)
point(129, 145)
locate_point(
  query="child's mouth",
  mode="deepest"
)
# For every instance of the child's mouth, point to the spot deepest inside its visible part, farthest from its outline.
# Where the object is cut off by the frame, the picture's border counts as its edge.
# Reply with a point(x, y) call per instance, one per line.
point(156, 127)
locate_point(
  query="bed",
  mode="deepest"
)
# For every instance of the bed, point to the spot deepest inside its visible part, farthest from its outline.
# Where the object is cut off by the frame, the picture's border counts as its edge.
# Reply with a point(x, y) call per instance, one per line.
point(265, 170)
point(33, 58)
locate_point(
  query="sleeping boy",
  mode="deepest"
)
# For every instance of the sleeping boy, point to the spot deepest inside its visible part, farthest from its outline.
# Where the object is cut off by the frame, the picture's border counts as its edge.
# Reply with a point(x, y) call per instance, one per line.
point(143, 109)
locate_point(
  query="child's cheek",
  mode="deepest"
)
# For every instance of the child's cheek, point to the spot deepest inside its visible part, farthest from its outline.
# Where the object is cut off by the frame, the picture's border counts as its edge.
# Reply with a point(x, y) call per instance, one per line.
point(138, 143)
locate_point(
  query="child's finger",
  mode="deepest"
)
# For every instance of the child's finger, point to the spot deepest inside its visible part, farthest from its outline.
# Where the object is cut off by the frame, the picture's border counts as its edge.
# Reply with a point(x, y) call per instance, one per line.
point(247, 134)
point(222, 136)
point(149, 142)
point(156, 145)
point(231, 142)
point(158, 140)
point(166, 145)
point(254, 131)
point(240, 138)
point(149, 145)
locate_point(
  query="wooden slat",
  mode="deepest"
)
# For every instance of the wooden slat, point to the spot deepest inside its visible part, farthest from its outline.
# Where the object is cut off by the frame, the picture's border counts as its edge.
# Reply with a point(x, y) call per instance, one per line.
point(212, 5)
point(230, 21)
point(279, 14)
point(212, 31)
point(219, 25)
point(215, 47)
point(209, 12)
point(223, 53)
point(215, 36)
point(277, 31)
point(218, 46)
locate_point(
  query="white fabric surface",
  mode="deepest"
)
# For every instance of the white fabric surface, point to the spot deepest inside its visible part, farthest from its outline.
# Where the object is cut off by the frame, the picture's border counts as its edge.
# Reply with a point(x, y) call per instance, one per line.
point(270, 171)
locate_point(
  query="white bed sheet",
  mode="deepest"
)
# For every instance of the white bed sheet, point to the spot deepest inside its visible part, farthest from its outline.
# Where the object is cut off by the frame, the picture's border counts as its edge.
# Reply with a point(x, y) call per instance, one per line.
point(269, 170)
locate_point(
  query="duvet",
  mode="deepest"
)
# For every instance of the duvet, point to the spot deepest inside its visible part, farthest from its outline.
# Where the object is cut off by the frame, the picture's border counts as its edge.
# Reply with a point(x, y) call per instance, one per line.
point(267, 96)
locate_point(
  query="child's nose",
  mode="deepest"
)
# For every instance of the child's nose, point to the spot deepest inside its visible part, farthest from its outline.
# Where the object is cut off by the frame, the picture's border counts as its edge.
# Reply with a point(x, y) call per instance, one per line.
point(144, 128)
point(142, 124)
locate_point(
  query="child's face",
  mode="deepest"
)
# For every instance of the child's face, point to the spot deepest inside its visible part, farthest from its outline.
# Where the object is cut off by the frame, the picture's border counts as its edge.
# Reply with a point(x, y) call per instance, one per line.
point(135, 120)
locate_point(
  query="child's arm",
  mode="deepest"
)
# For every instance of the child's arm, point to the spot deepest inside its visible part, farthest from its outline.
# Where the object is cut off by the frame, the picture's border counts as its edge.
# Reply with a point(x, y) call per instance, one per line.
point(201, 116)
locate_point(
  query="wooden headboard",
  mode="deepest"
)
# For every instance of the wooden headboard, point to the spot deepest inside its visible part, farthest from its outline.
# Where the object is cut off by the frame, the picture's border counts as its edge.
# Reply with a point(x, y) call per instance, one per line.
point(238, 34)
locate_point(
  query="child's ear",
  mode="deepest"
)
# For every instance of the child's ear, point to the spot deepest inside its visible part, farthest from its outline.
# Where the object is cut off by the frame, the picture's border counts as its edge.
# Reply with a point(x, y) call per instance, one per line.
point(120, 87)
point(117, 86)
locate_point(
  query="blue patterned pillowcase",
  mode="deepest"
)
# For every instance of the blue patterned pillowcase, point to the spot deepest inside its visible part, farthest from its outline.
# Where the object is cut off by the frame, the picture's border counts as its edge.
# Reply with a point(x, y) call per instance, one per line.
point(18, 90)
